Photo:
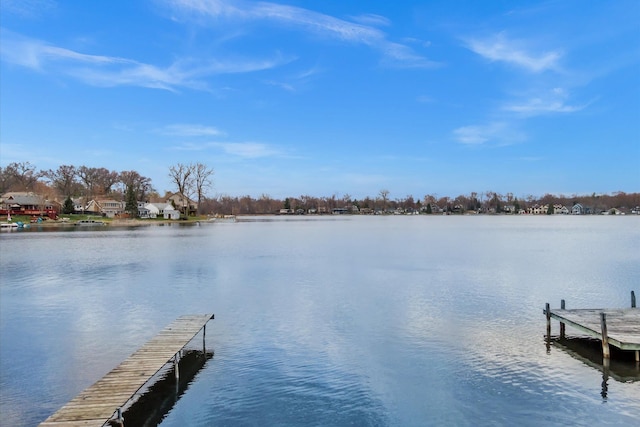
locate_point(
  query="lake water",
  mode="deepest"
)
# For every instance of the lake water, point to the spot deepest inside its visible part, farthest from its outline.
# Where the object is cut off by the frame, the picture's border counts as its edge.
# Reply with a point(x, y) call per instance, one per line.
point(365, 321)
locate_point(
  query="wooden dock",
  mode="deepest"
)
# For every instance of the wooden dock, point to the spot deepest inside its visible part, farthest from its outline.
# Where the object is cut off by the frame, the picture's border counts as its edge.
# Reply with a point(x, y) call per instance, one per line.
point(617, 327)
point(99, 403)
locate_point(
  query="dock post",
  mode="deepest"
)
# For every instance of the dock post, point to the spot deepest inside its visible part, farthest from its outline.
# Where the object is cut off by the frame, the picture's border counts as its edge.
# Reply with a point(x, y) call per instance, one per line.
point(176, 367)
point(605, 338)
point(118, 421)
point(204, 334)
point(562, 326)
point(547, 311)
point(633, 299)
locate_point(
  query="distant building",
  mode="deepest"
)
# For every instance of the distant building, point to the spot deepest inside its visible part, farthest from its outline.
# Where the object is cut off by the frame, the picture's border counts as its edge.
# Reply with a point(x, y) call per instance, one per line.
point(108, 207)
point(577, 209)
point(183, 203)
point(155, 210)
point(28, 203)
point(559, 209)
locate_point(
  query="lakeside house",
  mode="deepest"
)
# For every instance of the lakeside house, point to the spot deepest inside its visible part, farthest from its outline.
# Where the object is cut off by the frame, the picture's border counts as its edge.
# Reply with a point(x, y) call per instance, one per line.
point(107, 207)
point(155, 210)
point(183, 203)
point(578, 209)
point(28, 203)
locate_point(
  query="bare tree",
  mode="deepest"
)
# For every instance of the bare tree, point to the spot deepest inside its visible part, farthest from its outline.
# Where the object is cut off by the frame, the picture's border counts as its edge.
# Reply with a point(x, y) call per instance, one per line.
point(202, 178)
point(182, 176)
point(140, 185)
point(20, 176)
point(384, 195)
point(97, 180)
point(346, 200)
point(64, 179)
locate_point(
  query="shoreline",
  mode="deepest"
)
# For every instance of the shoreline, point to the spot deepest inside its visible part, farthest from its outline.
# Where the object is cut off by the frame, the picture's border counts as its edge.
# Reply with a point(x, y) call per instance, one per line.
point(126, 223)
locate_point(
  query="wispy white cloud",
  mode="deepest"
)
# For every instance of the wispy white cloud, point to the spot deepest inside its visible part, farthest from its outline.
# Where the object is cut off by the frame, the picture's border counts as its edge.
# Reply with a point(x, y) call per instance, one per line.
point(359, 32)
point(551, 102)
point(250, 150)
point(372, 19)
point(500, 133)
point(531, 158)
point(516, 52)
point(286, 86)
point(308, 73)
point(35, 54)
point(28, 8)
point(110, 71)
point(194, 138)
point(187, 130)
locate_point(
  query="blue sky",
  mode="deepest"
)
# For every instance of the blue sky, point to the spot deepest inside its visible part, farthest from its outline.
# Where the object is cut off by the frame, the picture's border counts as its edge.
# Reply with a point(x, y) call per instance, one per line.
point(314, 97)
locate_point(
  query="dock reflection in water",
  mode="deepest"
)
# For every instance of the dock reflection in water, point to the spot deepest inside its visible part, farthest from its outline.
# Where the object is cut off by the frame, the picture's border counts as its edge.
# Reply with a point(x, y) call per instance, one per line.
point(155, 401)
point(621, 367)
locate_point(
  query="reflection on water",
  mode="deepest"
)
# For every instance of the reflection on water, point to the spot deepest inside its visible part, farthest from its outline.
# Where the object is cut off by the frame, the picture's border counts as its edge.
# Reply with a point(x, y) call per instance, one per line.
point(621, 367)
point(622, 364)
point(156, 400)
point(325, 321)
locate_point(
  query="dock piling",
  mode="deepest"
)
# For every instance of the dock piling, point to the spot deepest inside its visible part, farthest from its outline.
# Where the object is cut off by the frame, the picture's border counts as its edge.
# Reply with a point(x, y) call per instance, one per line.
point(562, 326)
point(605, 338)
point(633, 299)
point(176, 366)
point(547, 339)
point(547, 311)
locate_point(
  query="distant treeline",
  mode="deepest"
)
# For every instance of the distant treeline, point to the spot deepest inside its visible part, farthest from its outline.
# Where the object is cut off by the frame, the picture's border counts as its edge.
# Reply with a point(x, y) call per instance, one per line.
point(478, 202)
point(91, 182)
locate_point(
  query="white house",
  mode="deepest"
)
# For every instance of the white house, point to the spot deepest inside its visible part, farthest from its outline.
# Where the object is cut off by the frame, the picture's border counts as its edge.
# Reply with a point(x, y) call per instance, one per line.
point(537, 209)
point(559, 209)
point(166, 210)
point(143, 212)
point(577, 209)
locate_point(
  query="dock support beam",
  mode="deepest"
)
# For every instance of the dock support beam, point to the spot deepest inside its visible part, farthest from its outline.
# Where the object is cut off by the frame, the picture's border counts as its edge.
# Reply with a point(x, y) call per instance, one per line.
point(176, 366)
point(562, 326)
point(605, 338)
point(633, 299)
point(204, 344)
point(547, 311)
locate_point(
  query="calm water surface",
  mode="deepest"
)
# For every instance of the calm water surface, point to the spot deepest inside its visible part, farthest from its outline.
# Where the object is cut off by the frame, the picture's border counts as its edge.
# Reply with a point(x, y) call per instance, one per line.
point(379, 321)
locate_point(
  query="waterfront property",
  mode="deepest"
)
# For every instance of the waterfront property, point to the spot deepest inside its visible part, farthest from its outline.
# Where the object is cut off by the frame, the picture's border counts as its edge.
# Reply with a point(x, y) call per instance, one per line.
point(99, 403)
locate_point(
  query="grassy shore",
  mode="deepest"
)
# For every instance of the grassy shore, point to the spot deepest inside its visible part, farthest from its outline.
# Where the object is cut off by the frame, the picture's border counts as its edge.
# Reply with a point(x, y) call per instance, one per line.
point(69, 220)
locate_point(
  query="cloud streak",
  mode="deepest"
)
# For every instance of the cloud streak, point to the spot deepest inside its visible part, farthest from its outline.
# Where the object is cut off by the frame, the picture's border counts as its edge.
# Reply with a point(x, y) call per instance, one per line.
point(194, 135)
point(248, 150)
point(549, 103)
point(498, 132)
point(109, 71)
point(188, 130)
point(28, 8)
point(319, 24)
point(499, 48)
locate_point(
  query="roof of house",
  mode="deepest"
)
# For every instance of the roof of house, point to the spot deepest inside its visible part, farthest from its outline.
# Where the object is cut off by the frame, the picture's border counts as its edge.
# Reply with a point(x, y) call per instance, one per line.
point(23, 198)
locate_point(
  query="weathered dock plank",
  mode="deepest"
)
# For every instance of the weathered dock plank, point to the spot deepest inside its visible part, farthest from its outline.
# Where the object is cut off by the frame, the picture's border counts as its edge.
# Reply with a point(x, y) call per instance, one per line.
point(96, 405)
